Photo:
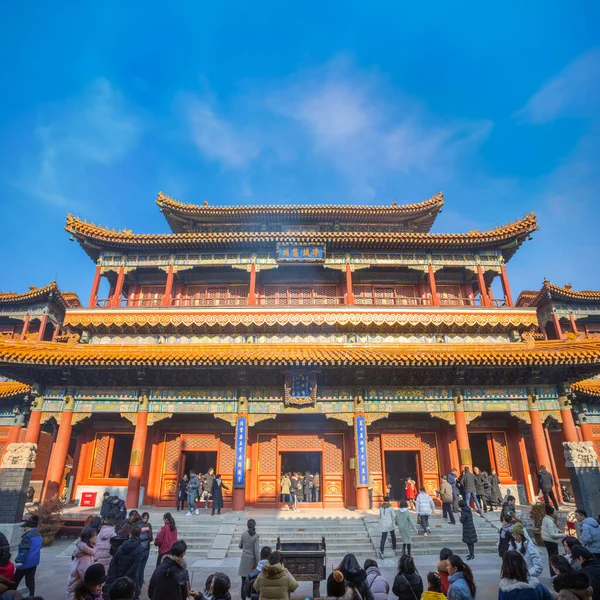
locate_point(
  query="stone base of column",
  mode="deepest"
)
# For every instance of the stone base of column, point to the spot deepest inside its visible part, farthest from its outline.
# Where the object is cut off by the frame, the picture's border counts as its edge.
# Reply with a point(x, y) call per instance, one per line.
point(362, 498)
point(239, 498)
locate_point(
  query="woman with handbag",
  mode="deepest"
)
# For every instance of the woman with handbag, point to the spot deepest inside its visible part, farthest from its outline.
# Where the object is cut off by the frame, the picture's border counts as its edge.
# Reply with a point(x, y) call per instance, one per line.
point(408, 584)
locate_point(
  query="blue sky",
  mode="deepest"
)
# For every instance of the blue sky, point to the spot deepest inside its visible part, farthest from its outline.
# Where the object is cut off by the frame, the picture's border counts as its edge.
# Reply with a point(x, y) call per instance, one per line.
point(105, 104)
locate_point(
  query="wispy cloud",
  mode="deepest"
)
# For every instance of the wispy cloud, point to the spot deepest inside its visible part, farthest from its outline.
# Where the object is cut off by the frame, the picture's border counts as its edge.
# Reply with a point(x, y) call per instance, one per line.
point(97, 128)
point(573, 91)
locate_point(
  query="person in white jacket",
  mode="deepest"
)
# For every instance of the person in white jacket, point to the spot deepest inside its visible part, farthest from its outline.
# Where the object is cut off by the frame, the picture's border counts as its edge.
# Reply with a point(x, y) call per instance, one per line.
point(526, 548)
point(425, 508)
point(551, 534)
point(386, 523)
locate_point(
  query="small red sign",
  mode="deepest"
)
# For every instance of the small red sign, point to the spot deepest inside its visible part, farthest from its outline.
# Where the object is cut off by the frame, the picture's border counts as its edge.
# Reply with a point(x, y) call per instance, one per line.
point(88, 498)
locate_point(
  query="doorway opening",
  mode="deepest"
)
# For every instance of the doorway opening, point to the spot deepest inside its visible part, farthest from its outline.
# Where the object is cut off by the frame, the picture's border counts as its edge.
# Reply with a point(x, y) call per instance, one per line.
point(301, 462)
point(480, 451)
point(200, 462)
point(399, 466)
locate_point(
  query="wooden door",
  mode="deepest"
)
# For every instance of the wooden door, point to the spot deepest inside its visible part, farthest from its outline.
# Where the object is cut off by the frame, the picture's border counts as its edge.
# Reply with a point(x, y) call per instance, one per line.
point(332, 474)
point(170, 467)
point(267, 468)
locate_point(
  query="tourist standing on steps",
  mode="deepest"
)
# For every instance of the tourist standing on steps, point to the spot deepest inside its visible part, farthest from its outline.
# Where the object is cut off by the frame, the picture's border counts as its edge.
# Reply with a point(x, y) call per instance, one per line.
point(496, 494)
point(28, 556)
point(308, 486)
point(550, 534)
point(453, 481)
point(408, 584)
point(467, 482)
point(480, 488)
point(386, 524)
point(590, 532)
point(250, 547)
point(447, 496)
point(106, 505)
point(208, 479)
point(294, 491)
point(192, 491)
point(146, 538)
point(217, 494)
point(546, 484)
point(377, 583)
point(182, 493)
point(469, 534)
point(370, 491)
point(285, 490)
point(406, 525)
point(316, 493)
point(462, 584)
point(425, 508)
point(410, 489)
point(166, 537)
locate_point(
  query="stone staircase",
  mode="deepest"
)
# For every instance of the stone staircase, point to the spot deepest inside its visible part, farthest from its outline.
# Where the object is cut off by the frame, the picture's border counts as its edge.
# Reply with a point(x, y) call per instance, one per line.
point(442, 535)
point(342, 535)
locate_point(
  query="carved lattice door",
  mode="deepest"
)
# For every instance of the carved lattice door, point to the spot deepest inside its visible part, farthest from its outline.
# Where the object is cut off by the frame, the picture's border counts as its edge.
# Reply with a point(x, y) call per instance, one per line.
point(267, 467)
point(170, 467)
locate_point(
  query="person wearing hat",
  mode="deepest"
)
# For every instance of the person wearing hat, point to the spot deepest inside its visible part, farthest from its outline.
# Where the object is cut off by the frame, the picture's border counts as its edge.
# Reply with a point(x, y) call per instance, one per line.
point(82, 559)
point(93, 582)
point(526, 548)
point(338, 587)
point(28, 556)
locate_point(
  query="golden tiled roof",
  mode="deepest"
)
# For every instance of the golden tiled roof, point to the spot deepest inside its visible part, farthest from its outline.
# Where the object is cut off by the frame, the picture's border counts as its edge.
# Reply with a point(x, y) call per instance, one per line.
point(8, 389)
point(422, 214)
point(576, 353)
point(507, 237)
point(66, 299)
point(587, 387)
point(127, 319)
point(549, 291)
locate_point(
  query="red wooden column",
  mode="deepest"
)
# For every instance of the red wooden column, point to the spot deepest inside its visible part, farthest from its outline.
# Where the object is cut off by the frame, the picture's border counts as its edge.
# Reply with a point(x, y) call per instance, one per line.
point(586, 432)
point(435, 301)
point(252, 286)
point(95, 287)
point(485, 301)
point(552, 468)
point(573, 324)
point(349, 289)
point(506, 286)
point(56, 465)
point(116, 297)
point(537, 431)
point(25, 327)
point(42, 330)
point(14, 432)
point(462, 433)
point(32, 435)
point(362, 489)
point(56, 332)
point(136, 462)
point(526, 471)
point(559, 332)
point(166, 299)
point(568, 424)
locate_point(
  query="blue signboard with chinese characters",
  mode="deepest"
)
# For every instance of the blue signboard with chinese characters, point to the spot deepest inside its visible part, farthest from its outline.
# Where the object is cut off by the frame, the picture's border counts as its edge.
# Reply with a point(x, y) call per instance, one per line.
point(300, 253)
point(239, 477)
point(361, 437)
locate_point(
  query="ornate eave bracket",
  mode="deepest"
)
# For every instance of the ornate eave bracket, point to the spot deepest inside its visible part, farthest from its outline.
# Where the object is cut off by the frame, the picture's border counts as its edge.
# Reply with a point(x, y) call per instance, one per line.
point(156, 417)
point(231, 418)
point(446, 416)
point(131, 417)
point(370, 418)
point(347, 418)
point(253, 419)
point(522, 415)
point(472, 415)
point(78, 417)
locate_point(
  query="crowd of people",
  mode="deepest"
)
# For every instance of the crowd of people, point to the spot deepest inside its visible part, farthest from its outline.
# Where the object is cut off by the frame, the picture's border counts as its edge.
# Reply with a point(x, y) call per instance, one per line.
point(196, 488)
point(296, 487)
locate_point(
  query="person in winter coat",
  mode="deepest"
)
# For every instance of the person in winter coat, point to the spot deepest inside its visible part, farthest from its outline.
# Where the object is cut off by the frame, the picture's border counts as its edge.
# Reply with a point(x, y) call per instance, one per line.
point(182, 493)
point(275, 582)
point(166, 537)
point(28, 556)
point(589, 565)
point(338, 587)
point(377, 583)
point(316, 490)
point(546, 485)
point(171, 580)
point(487, 488)
point(294, 483)
point(127, 562)
point(207, 482)
point(192, 491)
point(467, 483)
point(217, 494)
point(91, 586)
point(527, 549)
point(434, 588)
point(7, 568)
point(249, 545)
point(106, 505)
point(425, 508)
point(469, 533)
point(447, 496)
point(355, 576)
point(406, 525)
point(462, 584)
point(590, 532)
point(121, 537)
point(515, 583)
point(496, 494)
point(107, 532)
point(145, 539)
point(567, 543)
point(453, 481)
point(408, 584)
point(442, 568)
point(480, 488)
point(411, 492)
point(307, 486)
point(248, 587)
point(82, 558)
point(220, 584)
point(569, 583)
point(118, 512)
point(386, 524)
point(286, 483)
point(550, 533)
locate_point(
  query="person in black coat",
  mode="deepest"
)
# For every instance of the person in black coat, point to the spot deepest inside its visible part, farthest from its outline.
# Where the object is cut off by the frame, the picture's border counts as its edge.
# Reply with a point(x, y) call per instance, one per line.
point(118, 512)
point(480, 488)
point(355, 576)
point(408, 584)
point(469, 533)
point(106, 505)
point(170, 579)
point(496, 497)
point(546, 485)
point(182, 492)
point(127, 562)
point(217, 494)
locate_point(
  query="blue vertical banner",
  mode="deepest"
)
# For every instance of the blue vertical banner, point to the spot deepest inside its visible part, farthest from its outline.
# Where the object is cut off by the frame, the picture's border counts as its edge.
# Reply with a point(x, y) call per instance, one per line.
point(361, 451)
point(239, 478)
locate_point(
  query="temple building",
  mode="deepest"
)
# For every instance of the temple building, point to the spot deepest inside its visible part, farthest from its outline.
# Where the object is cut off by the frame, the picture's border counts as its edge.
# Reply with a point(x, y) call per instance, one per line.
point(344, 340)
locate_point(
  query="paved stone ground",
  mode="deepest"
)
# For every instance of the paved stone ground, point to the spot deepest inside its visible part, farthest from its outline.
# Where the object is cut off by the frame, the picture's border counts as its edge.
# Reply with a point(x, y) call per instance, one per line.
point(56, 562)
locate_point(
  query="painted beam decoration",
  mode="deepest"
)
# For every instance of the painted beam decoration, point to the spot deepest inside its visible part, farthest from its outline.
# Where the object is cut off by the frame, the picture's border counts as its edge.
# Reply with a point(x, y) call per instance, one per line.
point(239, 478)
point(300, 253)
point(361, 451)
